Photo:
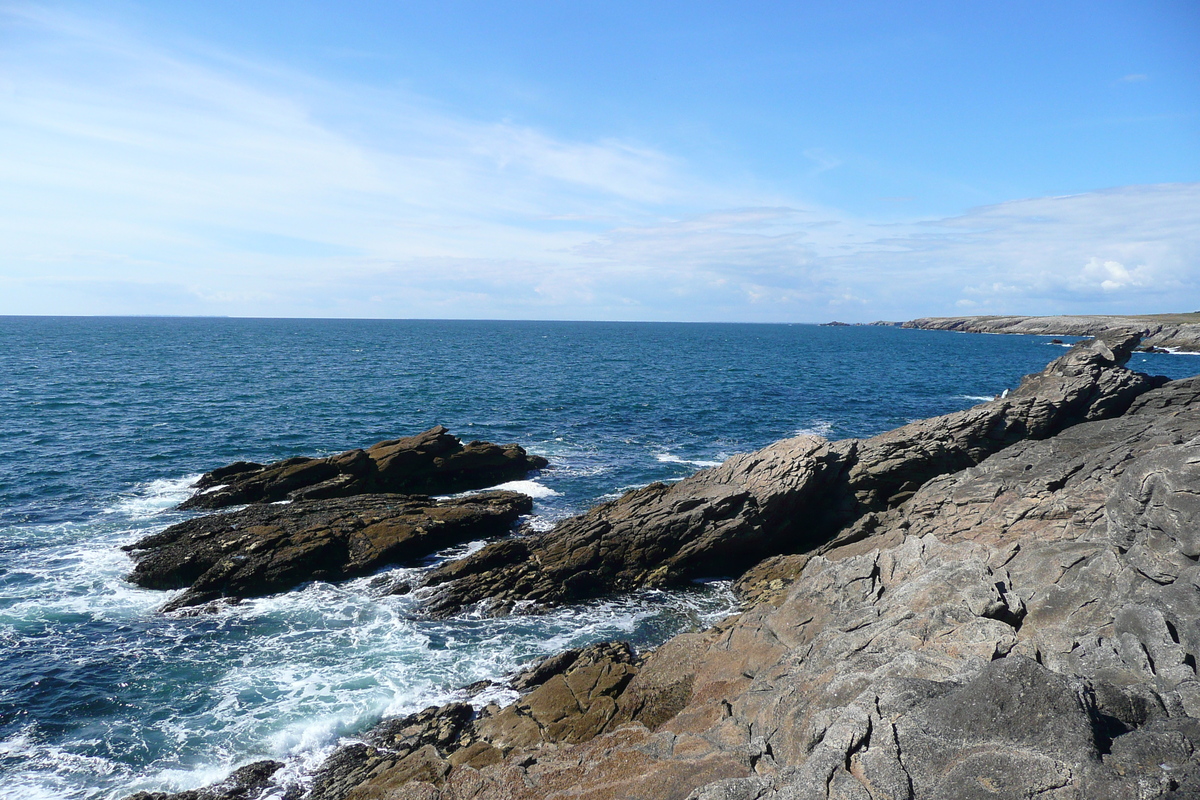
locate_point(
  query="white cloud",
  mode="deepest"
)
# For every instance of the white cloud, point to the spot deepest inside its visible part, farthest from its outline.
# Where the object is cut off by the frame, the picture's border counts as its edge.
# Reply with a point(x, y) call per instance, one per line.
point(137, 179)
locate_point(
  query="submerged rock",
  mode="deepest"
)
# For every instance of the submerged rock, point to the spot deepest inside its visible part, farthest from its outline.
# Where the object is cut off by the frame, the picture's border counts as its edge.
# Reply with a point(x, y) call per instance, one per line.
point(433, 462)
point(265, 549)
point(786, 498)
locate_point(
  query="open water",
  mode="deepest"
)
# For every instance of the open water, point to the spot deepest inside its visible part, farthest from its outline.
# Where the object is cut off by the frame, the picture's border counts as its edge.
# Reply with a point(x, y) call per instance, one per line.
point(105, 421)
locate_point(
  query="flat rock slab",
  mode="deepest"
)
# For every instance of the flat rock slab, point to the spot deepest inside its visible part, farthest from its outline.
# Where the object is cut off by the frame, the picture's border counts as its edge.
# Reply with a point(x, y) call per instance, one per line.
point(433, 462)
point(270, 548)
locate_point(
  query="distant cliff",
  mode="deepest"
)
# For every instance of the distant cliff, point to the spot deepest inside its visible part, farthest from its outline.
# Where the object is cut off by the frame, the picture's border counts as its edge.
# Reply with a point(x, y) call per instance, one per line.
point(1173, 331)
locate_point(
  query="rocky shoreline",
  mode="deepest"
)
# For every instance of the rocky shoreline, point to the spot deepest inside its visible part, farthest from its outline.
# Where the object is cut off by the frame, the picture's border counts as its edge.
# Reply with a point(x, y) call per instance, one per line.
point(1173, 332)
point(1003, 602)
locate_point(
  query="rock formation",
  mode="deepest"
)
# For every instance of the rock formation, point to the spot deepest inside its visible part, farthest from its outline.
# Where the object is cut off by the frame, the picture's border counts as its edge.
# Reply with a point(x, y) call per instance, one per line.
point(1002, 603)
point(785, 498)
point(268, 548)
point(1025, 627)
point(433, 462)
point(1175, 331)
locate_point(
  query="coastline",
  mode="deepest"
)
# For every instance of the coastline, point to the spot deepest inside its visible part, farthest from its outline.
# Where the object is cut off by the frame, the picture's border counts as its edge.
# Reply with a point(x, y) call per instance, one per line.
point(1004, 596)
point(1170, 332)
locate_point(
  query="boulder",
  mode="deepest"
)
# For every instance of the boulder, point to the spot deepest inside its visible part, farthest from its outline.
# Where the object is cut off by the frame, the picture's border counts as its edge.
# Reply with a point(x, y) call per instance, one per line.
point(786, 498)
point(269, 548)
point(433, 462)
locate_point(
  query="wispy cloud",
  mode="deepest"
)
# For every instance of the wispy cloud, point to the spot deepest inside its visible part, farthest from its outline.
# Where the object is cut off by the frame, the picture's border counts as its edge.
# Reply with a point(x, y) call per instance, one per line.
point(1134, 78)
point(139, 178)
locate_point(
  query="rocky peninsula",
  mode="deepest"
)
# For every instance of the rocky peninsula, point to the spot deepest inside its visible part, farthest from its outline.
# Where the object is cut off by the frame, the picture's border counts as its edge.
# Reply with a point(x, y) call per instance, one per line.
point(1179, 332)
point(1003, 602)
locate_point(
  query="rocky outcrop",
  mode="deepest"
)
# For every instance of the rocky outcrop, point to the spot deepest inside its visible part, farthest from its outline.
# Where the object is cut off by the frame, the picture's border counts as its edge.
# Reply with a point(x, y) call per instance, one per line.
point(1026, 627)
point(786, 498)
point(1174, 331)
point(269, 548)
point(433, 462)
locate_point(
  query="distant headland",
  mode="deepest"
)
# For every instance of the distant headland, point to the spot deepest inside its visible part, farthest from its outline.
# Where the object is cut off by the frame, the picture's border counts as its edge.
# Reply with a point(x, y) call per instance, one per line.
point(1174, 332)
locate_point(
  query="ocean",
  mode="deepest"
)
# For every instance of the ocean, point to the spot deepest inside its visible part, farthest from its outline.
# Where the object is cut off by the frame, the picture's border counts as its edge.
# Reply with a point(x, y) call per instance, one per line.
point(104, 422)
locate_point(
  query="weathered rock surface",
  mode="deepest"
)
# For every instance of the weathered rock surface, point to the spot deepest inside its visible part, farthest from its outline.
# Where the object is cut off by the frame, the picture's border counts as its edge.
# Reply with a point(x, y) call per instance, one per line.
point(270, 548)
point(1175, 331)
point(786, 498)
point(433, 462)
point(1026, 627)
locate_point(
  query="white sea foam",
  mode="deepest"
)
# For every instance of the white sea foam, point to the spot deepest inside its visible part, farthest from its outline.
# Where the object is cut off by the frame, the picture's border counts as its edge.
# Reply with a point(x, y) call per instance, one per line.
point(287, 676)
point(531, 488)
point(668, 458)
point(154, 497)
point(979, 398)
point(818, 427)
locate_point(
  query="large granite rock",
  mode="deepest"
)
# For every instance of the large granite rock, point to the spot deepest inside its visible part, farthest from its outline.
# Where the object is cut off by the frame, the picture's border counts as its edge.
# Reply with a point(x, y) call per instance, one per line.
point(786, 498)
point(270, 548)
point(433, 462)
point(1025, 627)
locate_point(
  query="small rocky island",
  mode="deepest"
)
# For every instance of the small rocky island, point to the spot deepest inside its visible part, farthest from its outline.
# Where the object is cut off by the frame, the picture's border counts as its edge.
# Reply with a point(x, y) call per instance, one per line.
point(332, 518)
point(1003, 602)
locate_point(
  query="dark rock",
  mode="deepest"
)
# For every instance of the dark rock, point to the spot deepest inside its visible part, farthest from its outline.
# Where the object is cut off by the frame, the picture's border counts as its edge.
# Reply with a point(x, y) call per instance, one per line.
point(786, 498)
point(265, 549)
point(432, 462)
point(246, 783)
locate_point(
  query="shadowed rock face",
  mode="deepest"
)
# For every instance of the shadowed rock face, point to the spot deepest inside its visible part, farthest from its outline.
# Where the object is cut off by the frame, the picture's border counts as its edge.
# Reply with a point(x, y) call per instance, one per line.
point(265, 549)
point(785, 498)
point(432, 462)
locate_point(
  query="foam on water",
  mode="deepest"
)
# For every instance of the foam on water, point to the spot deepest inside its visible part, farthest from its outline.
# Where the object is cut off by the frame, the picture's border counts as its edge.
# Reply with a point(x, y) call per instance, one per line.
point(668, 458)
point(154, 497)
point(285, 677)
point(818, 427)
point(532, 488)
point(978, 398)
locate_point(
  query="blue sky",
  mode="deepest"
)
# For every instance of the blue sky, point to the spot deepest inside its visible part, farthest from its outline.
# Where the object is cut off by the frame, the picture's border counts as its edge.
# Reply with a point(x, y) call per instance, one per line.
point(682, 161)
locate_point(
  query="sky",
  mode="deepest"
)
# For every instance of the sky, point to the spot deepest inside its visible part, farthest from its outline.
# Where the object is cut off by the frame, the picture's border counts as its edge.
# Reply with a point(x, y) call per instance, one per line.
point(698, 161)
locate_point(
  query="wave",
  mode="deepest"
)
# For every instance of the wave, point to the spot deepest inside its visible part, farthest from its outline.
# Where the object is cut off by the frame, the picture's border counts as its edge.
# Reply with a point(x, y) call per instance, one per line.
point(153, 497)
point(532, 488)
point(818, 427)
point(979, 398)
point(668, 458)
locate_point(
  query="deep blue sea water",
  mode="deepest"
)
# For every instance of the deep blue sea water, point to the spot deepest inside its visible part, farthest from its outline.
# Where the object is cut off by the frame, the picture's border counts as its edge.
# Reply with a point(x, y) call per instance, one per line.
point(105, 421)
